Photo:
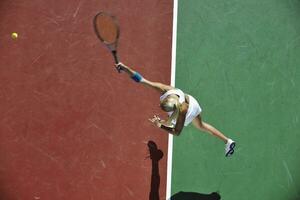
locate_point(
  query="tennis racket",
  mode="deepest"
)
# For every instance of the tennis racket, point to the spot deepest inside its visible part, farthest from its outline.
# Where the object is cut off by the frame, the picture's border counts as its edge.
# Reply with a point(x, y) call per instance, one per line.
point(108, 31)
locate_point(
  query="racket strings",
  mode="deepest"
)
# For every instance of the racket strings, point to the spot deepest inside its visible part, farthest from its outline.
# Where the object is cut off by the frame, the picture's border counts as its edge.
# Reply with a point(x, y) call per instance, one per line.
point(106, 28)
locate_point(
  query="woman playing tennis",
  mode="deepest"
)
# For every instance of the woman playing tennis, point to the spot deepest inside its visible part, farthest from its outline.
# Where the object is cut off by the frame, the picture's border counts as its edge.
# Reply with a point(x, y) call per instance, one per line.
point(182, 109)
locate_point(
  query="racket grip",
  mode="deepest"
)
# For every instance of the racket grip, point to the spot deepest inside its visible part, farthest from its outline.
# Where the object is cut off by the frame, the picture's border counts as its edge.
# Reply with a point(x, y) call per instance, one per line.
point(114, 53)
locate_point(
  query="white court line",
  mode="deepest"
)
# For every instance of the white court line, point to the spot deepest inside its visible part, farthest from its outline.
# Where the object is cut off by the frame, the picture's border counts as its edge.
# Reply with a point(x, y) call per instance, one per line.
point(173, 67)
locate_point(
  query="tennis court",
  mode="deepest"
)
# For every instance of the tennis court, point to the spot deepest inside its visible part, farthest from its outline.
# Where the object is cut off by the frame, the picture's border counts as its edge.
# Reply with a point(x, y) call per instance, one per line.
point(241, 60)
point(65, 131)
point(72, 127)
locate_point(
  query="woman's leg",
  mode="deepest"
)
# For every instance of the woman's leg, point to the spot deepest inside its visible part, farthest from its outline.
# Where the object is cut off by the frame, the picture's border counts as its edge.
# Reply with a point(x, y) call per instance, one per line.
point(198, 123)
point(229, 143)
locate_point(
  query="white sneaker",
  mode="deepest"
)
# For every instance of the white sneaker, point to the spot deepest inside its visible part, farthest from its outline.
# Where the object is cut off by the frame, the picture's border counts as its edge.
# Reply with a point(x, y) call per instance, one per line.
point(229, 147)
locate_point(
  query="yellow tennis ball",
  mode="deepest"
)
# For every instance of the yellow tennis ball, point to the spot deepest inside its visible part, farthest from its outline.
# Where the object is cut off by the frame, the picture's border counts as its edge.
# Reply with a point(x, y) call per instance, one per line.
point(14, 35)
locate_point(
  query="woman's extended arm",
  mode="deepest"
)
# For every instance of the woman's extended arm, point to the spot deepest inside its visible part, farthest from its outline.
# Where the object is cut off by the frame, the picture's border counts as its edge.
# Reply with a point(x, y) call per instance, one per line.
point(162, 88)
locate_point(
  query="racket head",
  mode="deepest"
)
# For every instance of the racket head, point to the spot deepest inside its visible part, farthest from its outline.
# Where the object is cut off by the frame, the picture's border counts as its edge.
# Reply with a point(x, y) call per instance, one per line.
point(107, 29)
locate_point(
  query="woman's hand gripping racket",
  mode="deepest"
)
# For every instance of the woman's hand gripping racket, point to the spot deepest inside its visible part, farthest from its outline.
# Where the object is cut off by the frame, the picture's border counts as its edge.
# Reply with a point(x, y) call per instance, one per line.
point(107, 30)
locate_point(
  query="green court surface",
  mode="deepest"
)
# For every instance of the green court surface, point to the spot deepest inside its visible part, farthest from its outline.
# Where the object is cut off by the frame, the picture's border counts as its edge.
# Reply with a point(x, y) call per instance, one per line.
point(241, 60)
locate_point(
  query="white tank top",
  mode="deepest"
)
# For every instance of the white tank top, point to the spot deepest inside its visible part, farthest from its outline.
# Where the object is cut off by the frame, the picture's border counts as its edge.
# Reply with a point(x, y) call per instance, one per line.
point(175, 91)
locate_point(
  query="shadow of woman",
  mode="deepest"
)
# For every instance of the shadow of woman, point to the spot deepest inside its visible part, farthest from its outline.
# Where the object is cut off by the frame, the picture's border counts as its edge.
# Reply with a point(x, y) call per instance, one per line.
point(155, 155)
point(195, 196)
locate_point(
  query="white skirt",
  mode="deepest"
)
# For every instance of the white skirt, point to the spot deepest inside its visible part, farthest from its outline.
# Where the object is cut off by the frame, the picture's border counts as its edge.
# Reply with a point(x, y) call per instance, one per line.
point(193, 111)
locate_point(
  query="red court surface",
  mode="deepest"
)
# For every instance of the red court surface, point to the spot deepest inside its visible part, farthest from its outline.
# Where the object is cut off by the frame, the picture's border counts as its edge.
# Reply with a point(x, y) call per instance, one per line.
point(71, 127)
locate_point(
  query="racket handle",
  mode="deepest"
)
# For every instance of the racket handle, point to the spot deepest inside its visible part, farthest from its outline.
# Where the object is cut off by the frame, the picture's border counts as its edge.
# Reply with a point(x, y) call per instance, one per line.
point(114, 53)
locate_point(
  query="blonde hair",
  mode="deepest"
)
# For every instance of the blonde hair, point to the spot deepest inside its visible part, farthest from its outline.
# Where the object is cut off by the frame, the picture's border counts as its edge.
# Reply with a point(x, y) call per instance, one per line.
point(169, 104)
